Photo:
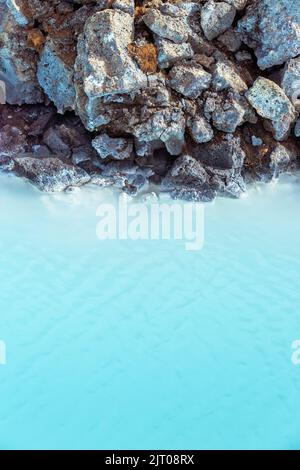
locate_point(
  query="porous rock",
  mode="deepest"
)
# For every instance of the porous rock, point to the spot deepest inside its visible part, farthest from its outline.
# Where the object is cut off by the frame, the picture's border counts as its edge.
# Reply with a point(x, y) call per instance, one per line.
point(18, 62)
point(104, 69)
point(189, 79)
point(290, 81)
point(130, 94)
point(114, 147)
point(216, 18)
point(50, 174)
point(271, 28)
point(280, 159)
point(271, 103)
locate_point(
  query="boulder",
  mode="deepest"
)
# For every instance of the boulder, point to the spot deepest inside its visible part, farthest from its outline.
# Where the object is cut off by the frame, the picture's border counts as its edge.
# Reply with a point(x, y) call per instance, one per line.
point(228, 110)
point(189, 79)
point(140, 93)
point(290, 81)
point(231, 112)
point(280, 160)
point(224, 152)
point(271, 103)
point(169, 53)
point(50, 174)
point(228, 182)
point(227, 76)
point(103, 68)
point(165, 126)
point(62, 139)
point(188, 180)
point(123, 175)
point(188, 168)
point(271, 28)
point(216, 18)
point(170, 22)
point(18, 63)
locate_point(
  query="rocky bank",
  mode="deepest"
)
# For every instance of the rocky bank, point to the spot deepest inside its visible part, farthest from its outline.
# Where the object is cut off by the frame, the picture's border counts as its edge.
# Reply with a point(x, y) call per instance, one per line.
point(197, 97)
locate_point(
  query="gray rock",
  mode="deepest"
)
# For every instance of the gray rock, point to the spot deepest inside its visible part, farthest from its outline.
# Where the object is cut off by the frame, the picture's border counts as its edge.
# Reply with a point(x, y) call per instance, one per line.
point(82, 154)
point(226, 76)
point(117, 148)
point(186, 168)
point(188, 180)
point(227, 182)
point(55, 76)
point(234, 186)
point(123, 175)
point(100, 180)
point(280, 160)
point(216, 18)
point(26, 12)
point(271, 103)
point(223, 153)
point(73, 133)
point(200, 130)
point(50, 174)
point(62, 139)
point(280, 129)
point(230, 113)
point(18, 63)
point(189, 79)
point(205, 94)
point(167, 25)
point(169, 53)
point(104, 69)
point(165, 126)
point(210, 104)
point(145, 148)
point(55, 142)
point(157, 94)
point(271, 28)
point(290, 82)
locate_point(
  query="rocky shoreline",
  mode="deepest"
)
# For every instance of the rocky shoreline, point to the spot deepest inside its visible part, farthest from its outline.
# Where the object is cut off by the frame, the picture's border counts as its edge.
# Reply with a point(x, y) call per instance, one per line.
point(199, 98)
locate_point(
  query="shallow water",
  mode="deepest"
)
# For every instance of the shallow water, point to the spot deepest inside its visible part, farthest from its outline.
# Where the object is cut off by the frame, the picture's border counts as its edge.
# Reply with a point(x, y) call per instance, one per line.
point(142, 344)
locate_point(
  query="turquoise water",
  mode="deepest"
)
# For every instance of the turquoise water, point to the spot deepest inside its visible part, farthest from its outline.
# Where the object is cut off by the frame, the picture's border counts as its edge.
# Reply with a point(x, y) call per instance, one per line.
point(142, 344)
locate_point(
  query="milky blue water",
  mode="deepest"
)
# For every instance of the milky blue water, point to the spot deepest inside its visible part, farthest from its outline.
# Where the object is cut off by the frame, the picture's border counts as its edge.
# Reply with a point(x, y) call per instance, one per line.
point(142, 344)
